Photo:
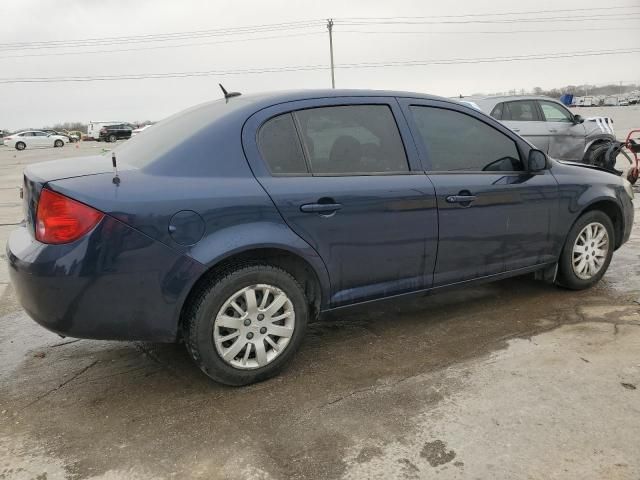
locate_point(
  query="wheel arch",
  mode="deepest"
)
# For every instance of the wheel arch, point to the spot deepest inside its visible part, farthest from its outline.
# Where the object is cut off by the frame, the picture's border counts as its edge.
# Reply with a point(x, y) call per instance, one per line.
point(595, 141)
point(314, 283)
point(610, 208)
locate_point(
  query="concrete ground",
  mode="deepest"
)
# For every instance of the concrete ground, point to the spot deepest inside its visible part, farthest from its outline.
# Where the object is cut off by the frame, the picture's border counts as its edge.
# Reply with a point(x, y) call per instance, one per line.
point(510, 380)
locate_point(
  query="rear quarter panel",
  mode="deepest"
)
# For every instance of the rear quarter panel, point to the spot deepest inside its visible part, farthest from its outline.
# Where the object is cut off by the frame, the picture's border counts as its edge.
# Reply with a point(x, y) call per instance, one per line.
point(236, 213)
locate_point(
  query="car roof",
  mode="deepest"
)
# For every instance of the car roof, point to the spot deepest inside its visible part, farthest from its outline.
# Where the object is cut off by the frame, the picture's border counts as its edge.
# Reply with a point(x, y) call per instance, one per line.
point(264, 99)
point(487, 102)
point(243, 106)
point(507, 98)
point(302, 94)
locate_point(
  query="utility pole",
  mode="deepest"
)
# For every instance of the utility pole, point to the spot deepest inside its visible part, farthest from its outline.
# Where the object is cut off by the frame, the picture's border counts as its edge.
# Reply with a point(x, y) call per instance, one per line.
point(330, 28)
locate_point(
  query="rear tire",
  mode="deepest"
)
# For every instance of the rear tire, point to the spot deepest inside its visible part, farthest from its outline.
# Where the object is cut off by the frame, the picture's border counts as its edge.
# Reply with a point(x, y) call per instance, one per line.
point(587, 251)
point(21, 146)
point(237, 348)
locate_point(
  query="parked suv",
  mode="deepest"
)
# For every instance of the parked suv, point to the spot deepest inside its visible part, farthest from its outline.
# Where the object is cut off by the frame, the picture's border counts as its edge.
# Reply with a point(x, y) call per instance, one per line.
point(111, 133)
point(548, 124)
point(235, 223)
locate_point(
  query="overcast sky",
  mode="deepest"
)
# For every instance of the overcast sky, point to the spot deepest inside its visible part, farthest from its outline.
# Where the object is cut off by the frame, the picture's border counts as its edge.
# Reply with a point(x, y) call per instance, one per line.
point(40, 104)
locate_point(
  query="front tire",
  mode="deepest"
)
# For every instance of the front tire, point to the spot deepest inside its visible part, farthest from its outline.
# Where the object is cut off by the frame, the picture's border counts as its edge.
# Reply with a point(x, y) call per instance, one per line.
point(58, 143)
point(112, 138)
point(21, 146)
point(587, 251)
point(244, 325)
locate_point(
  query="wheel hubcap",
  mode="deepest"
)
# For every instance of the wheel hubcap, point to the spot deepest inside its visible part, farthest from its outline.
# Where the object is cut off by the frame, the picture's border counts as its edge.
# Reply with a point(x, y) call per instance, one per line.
point(590, 250)
point(254, 326)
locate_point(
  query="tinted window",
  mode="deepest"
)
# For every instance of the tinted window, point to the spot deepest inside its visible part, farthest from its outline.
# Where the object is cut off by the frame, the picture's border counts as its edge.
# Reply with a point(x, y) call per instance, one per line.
point(459, 142)
point(352, 139)
point(497, 111)
point(520, 111)
point(40, 134)
point(280, 146)
point(554, 113)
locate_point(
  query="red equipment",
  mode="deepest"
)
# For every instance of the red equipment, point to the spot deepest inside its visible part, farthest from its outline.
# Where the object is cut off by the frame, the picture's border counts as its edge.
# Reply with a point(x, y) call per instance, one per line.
point(634, 147)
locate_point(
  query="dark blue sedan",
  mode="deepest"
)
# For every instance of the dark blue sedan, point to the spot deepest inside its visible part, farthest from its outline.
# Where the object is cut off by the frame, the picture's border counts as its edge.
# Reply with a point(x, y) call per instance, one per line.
point(233, 224)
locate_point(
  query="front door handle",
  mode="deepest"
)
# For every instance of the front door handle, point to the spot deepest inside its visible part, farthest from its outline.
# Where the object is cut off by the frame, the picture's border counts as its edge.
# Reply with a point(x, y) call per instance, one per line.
point(320, 207)
point(461, 198)
point(552, 130)
point(515, 129)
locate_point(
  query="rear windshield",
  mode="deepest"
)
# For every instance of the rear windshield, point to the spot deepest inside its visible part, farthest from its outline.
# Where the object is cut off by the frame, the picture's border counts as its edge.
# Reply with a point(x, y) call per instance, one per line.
point(157, 143)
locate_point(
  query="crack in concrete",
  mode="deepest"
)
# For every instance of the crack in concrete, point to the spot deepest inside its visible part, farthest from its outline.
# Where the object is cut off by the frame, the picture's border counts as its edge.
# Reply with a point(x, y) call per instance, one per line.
point(64, 343)
point(55, 389)
point(122, 372)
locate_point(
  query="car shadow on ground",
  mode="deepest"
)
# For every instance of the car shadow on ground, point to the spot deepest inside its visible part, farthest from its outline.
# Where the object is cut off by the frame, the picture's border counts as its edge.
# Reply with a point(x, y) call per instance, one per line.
point(152, 398)
point(437, 329)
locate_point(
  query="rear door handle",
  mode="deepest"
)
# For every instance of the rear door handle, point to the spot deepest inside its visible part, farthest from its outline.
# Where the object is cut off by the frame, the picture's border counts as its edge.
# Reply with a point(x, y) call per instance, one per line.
point(515, 129)
point(553, 130)
point(460, 198)
point(320, 207)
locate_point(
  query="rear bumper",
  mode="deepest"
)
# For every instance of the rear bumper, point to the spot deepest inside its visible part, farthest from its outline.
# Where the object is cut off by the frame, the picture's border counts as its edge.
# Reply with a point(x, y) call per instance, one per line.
point(113, 284)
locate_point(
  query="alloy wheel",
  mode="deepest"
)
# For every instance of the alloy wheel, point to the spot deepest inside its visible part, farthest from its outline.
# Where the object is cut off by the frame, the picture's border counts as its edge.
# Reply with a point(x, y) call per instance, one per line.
point(254, 326)
point(590, 251)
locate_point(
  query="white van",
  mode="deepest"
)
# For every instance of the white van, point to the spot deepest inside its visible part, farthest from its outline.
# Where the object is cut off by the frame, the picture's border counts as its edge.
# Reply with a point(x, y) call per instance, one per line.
point(93, 129)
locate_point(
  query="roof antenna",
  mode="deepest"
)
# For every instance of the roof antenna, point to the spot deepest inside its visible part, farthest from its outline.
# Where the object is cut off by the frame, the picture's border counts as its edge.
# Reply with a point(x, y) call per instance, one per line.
point(228, 95)
point(116, 178)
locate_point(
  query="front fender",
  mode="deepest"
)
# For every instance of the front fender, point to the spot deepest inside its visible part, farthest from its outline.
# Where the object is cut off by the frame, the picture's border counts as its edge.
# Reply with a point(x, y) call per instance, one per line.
point(580, 188)
point(228, 242)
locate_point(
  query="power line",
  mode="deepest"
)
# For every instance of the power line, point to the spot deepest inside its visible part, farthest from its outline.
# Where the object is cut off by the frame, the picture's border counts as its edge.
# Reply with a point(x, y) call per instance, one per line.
point(105, 41)
point(306, 34)
point(158, 37)
point(382, 21)
point(467, 32)
point(460, 61)
point(500, 14)
point(160, 47)
point(412, 63)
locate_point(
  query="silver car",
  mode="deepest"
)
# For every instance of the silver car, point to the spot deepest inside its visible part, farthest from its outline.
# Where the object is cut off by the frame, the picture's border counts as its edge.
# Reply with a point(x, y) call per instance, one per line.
point(548, 124)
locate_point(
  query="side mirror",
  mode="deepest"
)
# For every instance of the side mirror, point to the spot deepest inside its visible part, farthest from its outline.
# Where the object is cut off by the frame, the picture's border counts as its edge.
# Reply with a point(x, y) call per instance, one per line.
point(537, 161)
point(578, 119)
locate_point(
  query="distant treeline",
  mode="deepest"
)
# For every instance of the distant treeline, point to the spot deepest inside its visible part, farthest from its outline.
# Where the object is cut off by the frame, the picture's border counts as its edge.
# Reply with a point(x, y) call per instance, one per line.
point(581, 90)
point(70, 126)
point(611, 89)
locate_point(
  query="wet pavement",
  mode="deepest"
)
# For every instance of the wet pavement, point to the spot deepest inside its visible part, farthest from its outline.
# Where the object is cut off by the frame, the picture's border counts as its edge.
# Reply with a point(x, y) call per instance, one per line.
point(515, 379)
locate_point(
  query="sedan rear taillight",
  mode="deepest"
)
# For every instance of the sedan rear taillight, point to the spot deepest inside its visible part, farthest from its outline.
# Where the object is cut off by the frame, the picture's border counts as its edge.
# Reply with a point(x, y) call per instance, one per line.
point(60, 219)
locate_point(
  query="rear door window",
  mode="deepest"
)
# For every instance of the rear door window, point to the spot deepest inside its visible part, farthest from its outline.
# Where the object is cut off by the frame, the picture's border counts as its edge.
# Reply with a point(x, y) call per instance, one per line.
point(280, 146)
point(455, 141)
point(497, 112)
point(521, 111)
point(351, 140)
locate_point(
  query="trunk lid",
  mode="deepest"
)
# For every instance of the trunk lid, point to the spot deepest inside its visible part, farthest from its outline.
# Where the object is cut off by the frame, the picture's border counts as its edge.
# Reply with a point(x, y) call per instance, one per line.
point(37, 175)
